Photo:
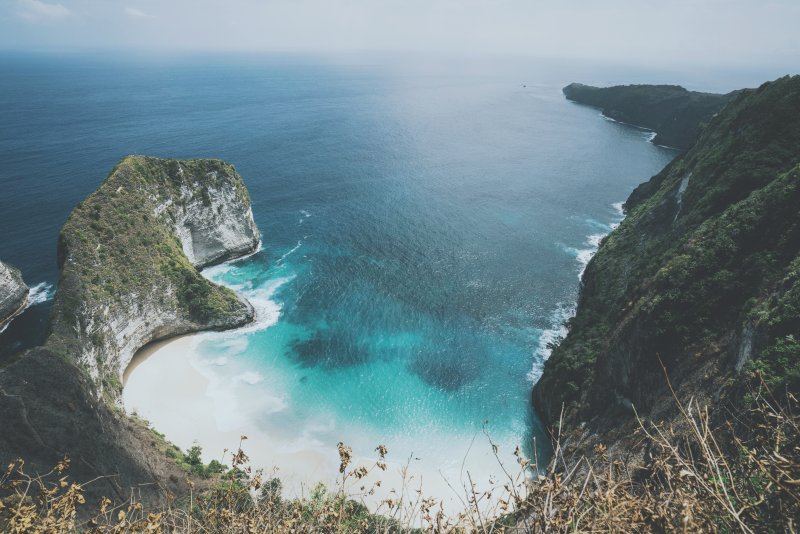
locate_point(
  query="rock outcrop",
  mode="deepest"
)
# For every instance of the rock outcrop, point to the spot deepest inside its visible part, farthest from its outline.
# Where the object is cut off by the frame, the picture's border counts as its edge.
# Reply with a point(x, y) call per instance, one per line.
point(13, 293)
point(675, 114)
point(128, 255)
point(700, 283)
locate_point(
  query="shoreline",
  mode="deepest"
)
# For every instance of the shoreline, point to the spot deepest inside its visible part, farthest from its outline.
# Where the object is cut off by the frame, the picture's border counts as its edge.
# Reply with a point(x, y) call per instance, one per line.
point(183, 394)
point(177, 394)
point(148, 350)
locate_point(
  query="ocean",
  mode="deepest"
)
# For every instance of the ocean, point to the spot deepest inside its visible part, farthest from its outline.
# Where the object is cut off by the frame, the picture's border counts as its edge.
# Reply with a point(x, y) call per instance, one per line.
point(424, 230)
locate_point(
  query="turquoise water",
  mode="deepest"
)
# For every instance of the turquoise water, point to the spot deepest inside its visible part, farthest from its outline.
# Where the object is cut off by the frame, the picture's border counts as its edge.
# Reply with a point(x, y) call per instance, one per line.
point(423, 229)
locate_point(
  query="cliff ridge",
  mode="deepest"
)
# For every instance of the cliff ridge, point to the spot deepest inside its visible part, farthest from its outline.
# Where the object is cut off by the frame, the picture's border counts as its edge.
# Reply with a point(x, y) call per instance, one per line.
point(129, 256)
point(674, 113)
point(700, 283)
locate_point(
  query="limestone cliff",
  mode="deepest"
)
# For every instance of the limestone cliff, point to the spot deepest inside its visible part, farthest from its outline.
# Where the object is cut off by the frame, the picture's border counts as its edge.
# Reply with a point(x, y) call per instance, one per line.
point(129, 255)
point(675, 114)
point(13, 293)
point(702, 278)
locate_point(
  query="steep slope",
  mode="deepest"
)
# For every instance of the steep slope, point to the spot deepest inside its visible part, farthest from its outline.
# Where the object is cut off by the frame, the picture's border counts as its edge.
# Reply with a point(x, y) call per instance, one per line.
point(702, 277)
point(13, 293)
point(675, 114)
point(128, 256)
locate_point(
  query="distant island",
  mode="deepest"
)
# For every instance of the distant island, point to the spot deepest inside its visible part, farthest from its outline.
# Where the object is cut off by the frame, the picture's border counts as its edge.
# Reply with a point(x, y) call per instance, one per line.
point(674, 113)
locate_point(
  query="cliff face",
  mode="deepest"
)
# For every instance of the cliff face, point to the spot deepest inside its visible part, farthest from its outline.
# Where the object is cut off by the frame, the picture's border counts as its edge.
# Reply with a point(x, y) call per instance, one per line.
point(702, 278)
point(675, 114)
point(129, 255)
point(13, 293)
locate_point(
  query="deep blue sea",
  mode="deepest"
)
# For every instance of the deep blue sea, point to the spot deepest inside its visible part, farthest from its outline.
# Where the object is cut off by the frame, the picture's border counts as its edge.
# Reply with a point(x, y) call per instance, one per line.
point(423, 228)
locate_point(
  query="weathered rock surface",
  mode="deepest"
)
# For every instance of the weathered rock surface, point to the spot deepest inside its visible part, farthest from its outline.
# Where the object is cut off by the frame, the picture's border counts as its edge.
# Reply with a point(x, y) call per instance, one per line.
point(13, 293)
point(128, 255)
point(675, 114)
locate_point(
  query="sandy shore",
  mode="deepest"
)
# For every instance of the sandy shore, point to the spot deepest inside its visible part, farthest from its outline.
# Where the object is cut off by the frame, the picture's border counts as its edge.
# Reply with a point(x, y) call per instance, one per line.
point(170, 386)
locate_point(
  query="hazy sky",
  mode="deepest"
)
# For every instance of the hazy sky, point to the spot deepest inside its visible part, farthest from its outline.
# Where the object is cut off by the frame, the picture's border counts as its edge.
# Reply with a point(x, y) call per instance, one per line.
point(655, 32)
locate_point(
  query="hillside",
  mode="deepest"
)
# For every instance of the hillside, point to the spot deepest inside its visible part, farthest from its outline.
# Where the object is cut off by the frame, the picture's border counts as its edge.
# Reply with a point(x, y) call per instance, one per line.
point(702, 278)
point(129, 257)
point(675, 114)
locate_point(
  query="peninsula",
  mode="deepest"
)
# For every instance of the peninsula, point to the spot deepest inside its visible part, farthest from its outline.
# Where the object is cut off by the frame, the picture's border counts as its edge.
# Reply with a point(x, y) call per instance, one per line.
point(674, 113)
point(129, 256)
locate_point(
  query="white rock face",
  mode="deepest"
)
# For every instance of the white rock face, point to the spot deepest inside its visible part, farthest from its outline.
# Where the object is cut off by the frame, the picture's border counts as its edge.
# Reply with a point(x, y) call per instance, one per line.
point(112, 302)
point(13, 293)
point(217, 229)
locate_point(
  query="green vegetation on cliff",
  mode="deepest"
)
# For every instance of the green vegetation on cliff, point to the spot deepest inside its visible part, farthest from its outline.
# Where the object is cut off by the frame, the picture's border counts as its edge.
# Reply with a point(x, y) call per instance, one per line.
point(703, 276)
point(675, 114)
point(124, 264)
point(116, 241)
point(129, 257)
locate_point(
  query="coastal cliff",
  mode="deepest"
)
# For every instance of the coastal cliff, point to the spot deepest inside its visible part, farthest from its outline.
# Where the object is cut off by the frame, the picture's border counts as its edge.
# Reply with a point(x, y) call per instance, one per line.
point(674, 113)
point(13, 293)
point(128, 255)
point(700, 283)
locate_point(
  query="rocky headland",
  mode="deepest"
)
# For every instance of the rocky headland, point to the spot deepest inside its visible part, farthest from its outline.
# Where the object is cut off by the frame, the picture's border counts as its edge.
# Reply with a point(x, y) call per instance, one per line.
point(13, 293)
point(697, 291)
point(674, 113)
point(129, 256)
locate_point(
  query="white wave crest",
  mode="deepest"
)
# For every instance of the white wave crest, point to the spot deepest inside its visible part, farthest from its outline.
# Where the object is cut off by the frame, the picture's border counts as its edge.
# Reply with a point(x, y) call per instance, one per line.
point(648, 133)
point(40, 293)
point(267, 311)
point(249, 377)
point(557, 331)
point(563, 312)
point(294, 249)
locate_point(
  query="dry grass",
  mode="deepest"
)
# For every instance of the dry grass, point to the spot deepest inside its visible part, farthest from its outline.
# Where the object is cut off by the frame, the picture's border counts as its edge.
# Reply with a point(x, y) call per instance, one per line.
point(743, 476)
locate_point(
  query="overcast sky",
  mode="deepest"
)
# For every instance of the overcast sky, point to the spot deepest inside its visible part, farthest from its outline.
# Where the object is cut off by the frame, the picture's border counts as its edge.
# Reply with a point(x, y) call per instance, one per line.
point(654, 32)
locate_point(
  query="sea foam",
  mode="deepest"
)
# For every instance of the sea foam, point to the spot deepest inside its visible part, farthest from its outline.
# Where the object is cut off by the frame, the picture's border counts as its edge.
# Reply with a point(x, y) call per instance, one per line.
point(40, 293)
point(564, 312)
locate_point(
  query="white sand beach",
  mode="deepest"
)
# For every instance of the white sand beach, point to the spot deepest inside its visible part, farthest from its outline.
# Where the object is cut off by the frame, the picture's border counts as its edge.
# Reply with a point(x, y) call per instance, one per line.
point(171, 387)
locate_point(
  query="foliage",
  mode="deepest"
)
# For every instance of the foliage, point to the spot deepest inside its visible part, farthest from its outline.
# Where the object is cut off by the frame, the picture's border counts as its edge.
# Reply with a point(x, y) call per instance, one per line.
point(677, 115)
point(698, 275)
point(118, 252)
point(741, 477)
